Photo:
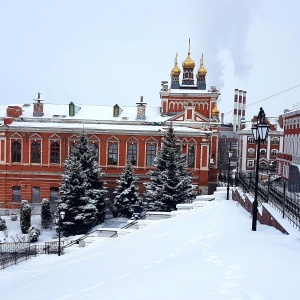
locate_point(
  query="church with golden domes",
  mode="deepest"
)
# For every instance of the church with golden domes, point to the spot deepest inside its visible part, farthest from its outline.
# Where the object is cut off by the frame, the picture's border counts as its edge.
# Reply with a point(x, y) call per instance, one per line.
point(36, 138)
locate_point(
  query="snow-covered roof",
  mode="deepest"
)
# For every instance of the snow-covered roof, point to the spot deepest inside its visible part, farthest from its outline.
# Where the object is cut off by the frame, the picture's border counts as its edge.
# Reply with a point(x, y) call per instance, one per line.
point(104, 127)
point(88, 112)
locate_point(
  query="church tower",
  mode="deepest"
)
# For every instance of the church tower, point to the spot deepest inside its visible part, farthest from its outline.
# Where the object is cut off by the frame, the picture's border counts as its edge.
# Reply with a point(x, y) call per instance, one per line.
point(188, 66)
point(201, 74)
point(175, 72)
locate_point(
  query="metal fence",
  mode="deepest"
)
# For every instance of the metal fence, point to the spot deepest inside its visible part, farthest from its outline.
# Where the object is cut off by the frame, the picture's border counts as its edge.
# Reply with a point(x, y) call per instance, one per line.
point(274, 192)
point(13, 253)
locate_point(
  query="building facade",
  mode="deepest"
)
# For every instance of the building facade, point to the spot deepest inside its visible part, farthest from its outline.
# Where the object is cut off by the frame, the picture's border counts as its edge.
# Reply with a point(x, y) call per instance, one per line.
point(36, 138)
point(288, 160)
point(268, 150)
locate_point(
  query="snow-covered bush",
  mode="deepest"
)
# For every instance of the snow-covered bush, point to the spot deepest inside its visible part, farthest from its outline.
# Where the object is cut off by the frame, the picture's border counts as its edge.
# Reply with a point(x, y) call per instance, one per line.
point(25, 216)
point(3, 225)
point(46, 213)
point(14, 217)
point(33, 233)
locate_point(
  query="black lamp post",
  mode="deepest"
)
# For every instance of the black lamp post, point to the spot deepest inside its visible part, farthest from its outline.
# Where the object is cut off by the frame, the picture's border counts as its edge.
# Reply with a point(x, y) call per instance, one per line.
point(60, 217)
point(260, 132)
point(230, 152)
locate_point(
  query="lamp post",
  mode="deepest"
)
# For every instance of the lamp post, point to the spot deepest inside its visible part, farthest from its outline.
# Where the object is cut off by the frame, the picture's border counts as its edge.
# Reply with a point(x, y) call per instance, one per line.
point(60, 217)
point(230, 152)
point(260, 131)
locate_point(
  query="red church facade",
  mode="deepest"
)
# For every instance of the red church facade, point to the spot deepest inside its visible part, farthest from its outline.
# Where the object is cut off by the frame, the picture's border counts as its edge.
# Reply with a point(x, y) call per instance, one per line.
point(36, 138)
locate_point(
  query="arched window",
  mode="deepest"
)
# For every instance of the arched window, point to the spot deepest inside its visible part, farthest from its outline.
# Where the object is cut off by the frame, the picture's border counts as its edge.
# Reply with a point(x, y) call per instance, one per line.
point(72, 147)
point(251, 152)
point(132, 154)
point(150, 155)
point(35, 152)
point(95, 151)
point(262, 152)
point(112, 154)
point(54, 153)
point(16, 151)
point(191, 156)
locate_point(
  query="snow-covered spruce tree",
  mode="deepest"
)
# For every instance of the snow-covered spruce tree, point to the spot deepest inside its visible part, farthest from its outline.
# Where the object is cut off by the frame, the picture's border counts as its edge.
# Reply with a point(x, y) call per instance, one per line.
point(74, 199)
point(170, 183)
point(46, 213)
point(97, 191)
point(3, 225)
point(25, 216)
point(126, 194)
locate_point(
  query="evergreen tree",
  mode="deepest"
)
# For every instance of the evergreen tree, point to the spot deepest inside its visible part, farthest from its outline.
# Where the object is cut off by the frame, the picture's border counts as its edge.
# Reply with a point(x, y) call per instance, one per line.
point(125, 191)
point(25, 216)
point(46, 215)
point(74, 199)
point(97, 191)
point(170, 183)
point(3, 225)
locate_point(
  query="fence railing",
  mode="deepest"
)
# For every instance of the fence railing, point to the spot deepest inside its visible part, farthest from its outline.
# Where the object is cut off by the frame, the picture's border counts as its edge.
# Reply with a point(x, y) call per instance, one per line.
point(13, 253)
point(276, 194)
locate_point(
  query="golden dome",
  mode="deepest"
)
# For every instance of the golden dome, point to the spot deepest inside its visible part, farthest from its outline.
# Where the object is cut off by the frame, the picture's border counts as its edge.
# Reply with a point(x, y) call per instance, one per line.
point(188, 62)
point(202, 70)
point(215, 111)
point(175, 71)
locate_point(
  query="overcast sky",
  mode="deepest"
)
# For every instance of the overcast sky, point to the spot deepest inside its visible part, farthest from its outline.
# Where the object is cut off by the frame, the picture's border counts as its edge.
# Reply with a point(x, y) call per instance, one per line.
point(108, 52)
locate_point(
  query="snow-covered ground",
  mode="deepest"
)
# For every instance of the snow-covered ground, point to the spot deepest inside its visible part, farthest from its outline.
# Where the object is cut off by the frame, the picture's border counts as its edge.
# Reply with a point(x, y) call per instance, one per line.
point(204, 253)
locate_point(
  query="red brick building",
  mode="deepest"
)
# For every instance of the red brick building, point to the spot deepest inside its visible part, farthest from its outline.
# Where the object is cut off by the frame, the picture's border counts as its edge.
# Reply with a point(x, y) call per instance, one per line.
point(268, 150)
point(35, 138)
point(288, 159)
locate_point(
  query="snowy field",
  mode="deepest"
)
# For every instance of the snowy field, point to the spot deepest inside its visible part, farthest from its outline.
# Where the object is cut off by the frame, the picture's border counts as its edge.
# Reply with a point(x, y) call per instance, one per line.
point(204, 253)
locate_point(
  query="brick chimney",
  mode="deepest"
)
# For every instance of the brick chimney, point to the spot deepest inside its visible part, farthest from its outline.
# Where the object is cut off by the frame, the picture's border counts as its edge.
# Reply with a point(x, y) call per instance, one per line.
point(38, 106)
point(141, 109)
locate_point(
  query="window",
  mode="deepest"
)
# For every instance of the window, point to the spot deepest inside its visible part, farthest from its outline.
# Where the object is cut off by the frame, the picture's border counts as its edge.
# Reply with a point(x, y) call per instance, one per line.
point(72, 147)
point(112, 154)
point(16, 151)
point(150, 155)
point(53, 194)
point(263, 152)
point(35, 194)
point(95, 151)
point(16, 194)
point(54, 153)
point(251, 140)
point(35, 152)
point(274, 152)
point(191, 156)
point(132, 154)
point(250, 163)
point(274, 140)
point(251, 152)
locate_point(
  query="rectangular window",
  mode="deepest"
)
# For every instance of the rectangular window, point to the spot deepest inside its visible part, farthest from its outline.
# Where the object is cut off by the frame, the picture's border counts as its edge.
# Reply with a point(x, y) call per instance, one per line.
point(16, 194)
point(250, 163)
point(53, 194)
point(251, 140)
point(35, 194)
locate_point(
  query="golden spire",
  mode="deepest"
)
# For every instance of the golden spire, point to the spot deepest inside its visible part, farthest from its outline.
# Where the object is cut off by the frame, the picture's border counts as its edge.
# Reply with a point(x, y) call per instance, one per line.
point(188, 62)
point(201, 70)
point(215, 111)
point(175, 71)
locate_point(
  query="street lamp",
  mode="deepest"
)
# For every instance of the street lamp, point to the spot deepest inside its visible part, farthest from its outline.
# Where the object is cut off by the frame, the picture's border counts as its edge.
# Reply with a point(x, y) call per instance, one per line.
point(230, 152)
point(260, 132)
point(60, 217)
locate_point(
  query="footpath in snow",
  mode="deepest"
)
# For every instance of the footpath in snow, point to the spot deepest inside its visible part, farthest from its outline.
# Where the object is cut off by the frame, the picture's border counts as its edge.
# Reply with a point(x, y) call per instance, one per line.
point(208, 252)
